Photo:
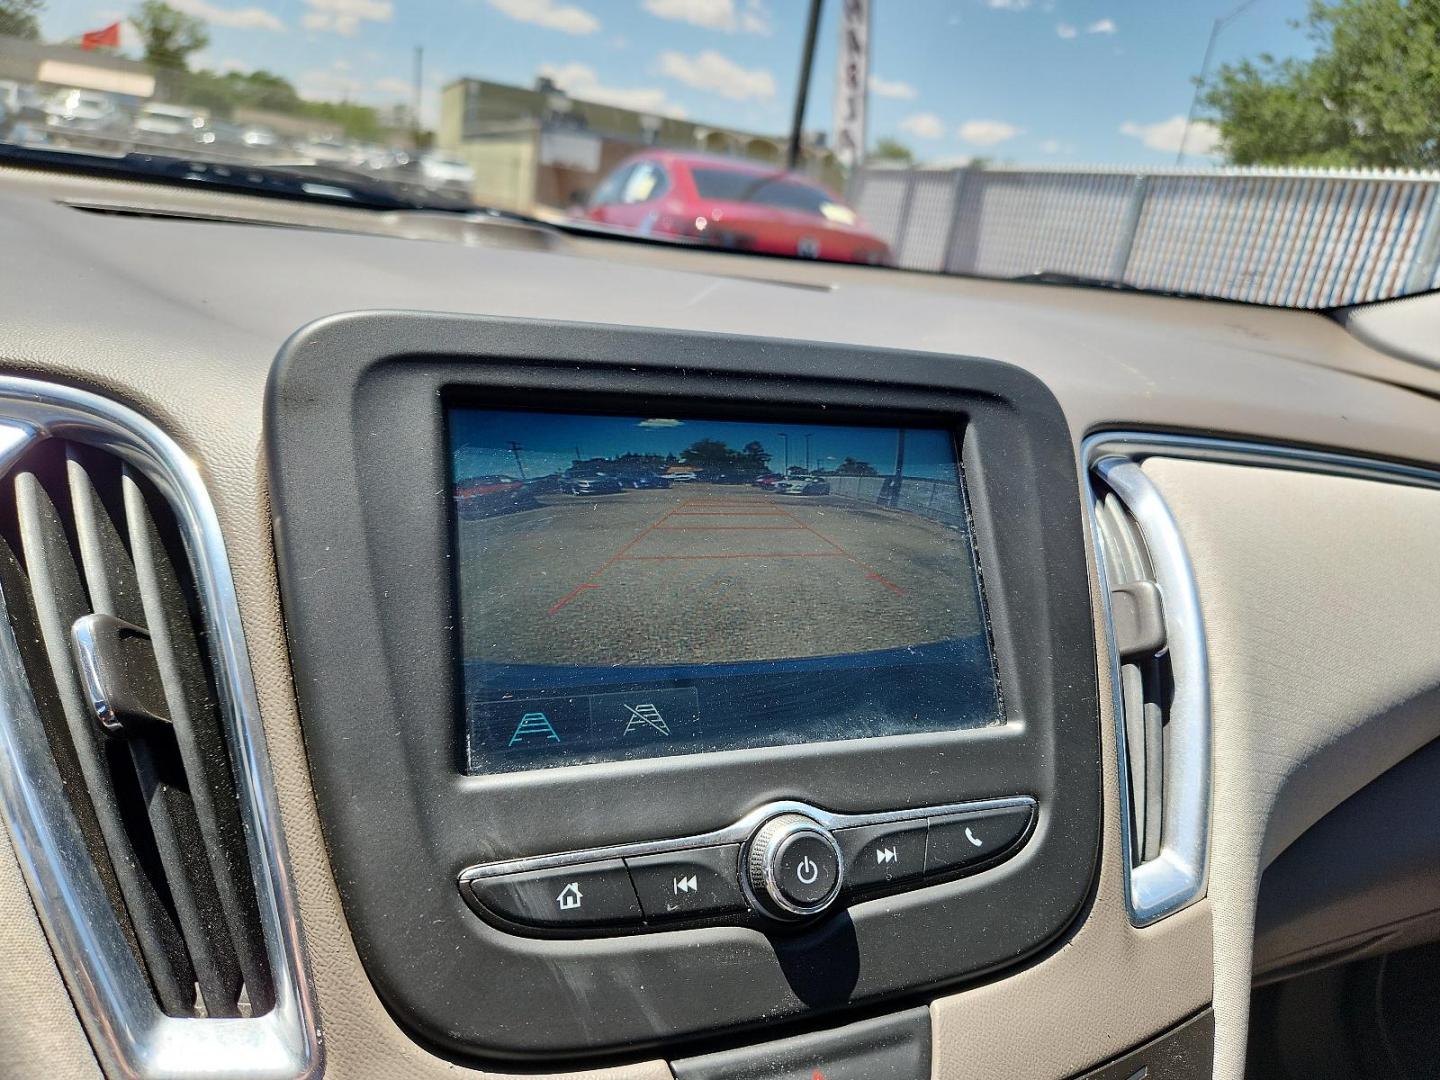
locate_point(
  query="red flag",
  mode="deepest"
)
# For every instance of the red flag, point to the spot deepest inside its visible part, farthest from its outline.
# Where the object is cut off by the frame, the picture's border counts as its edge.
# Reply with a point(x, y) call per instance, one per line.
point(107, 38)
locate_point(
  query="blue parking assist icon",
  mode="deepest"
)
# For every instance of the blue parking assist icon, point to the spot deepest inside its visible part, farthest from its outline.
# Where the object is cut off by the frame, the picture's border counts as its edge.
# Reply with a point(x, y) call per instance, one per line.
point(533, 725)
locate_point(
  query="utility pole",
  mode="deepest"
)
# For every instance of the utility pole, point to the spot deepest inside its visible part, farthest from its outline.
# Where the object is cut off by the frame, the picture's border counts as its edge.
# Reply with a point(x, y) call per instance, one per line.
point(807, 453)
point(515, 449)
point(786, 437)
point(415, 101)
point(1220, 24)
point(802, 92)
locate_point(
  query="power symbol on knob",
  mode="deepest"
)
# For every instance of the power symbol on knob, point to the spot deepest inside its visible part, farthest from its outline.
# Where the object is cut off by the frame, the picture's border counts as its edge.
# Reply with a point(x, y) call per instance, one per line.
point(793, 867)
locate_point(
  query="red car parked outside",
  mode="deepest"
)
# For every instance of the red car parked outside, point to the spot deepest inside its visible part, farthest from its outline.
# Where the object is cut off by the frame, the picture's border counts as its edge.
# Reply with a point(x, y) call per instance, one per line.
point(731, 203)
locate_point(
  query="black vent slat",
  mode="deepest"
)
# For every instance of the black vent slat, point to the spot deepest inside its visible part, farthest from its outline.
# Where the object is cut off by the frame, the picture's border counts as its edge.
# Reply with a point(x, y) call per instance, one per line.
point(177, 634)
point(104, 560)
point(59, 598)
point(100, 596)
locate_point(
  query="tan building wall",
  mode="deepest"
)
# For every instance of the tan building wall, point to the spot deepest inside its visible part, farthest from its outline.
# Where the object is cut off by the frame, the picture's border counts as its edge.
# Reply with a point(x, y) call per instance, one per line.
point(504, 164)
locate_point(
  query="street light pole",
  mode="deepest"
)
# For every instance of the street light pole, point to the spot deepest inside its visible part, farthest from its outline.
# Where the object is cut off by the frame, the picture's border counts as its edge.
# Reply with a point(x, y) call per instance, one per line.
point(807, 453)
point(786, 437)
point(1220, 24)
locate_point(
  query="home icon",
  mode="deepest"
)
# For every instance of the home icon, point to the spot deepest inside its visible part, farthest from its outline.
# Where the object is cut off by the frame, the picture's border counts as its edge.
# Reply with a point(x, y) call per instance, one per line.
point(570, 897)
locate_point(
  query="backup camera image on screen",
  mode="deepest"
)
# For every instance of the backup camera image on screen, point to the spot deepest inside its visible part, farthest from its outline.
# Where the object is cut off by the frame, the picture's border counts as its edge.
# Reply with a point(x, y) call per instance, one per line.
point(641, 586)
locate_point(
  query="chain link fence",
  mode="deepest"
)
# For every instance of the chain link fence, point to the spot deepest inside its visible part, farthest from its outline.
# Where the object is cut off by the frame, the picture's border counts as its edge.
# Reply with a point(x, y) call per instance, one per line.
point(1310, 238)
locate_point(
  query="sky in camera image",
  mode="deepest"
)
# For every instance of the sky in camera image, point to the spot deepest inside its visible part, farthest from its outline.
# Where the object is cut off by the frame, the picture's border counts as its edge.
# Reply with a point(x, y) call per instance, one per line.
point(1026, 81)
point(550, 443)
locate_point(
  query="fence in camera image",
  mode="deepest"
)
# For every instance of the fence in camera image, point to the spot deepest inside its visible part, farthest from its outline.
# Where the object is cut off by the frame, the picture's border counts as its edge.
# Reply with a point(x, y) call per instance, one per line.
point(937, 500)
point(1312, 238)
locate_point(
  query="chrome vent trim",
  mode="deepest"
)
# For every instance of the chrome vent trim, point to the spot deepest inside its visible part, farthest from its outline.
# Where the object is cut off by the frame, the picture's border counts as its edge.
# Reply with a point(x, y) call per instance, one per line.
point(131, 1036)
point(1176, 876)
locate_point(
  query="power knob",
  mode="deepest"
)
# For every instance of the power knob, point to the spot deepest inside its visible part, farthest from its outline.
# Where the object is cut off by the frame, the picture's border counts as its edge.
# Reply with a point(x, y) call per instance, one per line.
point(793, 867)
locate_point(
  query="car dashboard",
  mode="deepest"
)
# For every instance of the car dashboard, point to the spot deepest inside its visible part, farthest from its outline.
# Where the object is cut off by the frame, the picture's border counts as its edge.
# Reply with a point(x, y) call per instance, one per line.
point(1189, 546)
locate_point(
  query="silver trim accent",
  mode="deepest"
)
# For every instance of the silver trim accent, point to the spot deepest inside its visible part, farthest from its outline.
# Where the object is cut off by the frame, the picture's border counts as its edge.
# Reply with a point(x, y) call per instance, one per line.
point(131, 1036)
point(738, 833)
point(82, 637)
point(770, 860)
point(1178, 877)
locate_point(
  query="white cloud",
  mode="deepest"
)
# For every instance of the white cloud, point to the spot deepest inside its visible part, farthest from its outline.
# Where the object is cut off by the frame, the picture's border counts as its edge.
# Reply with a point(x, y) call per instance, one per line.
point(1203, 139)
point(245, 18)
point(755, 19)
point(924, 126)
point(550, 14)
point(344, 17)
point(1102, 26)
point(1065, 30)
point(660, 422)
point(1055, 146)
point(901, 91)
point(721, 15)
point(987, 132)
point(711, 71)
point(1008, 5)
point(581, 81)
point(395, 87)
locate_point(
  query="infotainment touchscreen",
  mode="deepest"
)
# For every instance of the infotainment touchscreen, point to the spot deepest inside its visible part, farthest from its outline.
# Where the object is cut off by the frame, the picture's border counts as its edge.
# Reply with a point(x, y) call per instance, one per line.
point(642, 586)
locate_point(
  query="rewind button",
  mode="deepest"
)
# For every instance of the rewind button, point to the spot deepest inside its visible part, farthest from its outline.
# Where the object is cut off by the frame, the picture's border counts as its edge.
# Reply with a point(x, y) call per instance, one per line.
point(693, 883)
point(882, 854)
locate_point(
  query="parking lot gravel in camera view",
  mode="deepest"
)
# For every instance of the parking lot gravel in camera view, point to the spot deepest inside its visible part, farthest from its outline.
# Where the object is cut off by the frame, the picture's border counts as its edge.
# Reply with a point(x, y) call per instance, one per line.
point(707, 573)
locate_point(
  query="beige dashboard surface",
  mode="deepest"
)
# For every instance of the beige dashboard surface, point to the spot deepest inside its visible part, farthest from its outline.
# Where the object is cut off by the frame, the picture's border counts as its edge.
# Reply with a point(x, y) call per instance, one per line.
point(181, 319)
point(1321, 600)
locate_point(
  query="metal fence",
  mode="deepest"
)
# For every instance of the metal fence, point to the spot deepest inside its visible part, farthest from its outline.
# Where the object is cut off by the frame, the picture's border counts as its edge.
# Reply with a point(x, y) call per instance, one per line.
point(1310, 238)
point(938, 500)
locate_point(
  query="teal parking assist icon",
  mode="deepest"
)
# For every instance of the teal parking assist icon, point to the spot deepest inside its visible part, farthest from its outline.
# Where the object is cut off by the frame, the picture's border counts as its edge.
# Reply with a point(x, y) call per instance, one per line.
point(534, 725)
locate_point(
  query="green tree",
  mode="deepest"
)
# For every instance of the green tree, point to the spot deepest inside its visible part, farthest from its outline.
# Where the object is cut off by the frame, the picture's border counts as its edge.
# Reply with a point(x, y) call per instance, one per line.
point(709, 454)
point(170, 36)
point(1368, 97)
point(888, 149)
point(21, 18)
point(851, 467)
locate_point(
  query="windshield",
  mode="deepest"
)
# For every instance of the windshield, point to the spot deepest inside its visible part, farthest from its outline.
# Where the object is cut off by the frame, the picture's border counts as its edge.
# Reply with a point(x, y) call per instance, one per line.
point(1279, 152)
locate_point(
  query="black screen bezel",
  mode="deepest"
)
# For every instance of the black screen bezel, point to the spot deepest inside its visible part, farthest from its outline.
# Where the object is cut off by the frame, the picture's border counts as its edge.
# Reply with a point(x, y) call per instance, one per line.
point(453, 400)
point(359, 482)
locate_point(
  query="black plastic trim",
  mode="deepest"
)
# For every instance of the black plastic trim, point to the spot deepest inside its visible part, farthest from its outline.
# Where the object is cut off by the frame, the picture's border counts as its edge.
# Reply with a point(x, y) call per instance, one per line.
point(355, 434)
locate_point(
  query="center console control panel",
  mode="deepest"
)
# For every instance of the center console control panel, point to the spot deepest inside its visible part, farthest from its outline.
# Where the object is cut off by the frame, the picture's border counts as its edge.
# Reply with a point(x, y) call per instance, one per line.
point(784, 863)
point(662, 701)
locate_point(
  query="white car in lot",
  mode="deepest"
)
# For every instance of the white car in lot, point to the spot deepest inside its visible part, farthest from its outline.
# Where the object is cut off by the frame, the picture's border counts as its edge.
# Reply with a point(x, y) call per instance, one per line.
point(161, 121)
point(802, 485)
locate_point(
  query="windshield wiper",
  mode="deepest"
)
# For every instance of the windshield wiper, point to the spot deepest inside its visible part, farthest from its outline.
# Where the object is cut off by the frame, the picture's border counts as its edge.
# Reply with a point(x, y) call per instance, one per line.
point(305, 183)
point(1079, 281)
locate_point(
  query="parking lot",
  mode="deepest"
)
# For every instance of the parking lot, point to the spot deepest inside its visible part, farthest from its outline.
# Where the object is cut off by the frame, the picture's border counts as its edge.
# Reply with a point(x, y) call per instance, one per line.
point(706, 573)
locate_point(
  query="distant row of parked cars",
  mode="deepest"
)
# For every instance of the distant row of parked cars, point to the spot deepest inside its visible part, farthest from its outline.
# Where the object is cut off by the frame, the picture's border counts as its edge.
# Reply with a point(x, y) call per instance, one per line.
point(486, 496)
point(66, 116)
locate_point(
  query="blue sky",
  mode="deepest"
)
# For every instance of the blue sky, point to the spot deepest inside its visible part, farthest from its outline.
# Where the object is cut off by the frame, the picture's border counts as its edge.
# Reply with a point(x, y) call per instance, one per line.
point(1030, 81)
point(549, 441)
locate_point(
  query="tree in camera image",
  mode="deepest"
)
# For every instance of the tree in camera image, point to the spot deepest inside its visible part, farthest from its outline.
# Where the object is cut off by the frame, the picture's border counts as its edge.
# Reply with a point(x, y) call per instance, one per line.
point(1368, 97)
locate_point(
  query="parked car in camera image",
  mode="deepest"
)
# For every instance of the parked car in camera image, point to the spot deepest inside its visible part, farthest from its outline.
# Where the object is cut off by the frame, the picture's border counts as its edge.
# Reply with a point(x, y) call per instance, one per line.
point(485, 496)
point(643, 481)
point(598, 484)
point(768, 480)
point(734, 204)
point(803, 485)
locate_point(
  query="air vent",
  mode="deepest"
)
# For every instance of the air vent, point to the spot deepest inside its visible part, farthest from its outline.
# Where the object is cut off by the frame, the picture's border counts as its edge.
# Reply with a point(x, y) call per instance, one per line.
point(98, 588)
point(1161, 677)
point(133, 779)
